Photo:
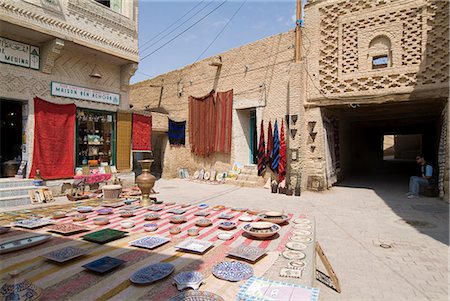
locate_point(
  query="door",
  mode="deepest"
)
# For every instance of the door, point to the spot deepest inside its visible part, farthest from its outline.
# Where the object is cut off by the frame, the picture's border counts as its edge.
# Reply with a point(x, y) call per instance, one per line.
point(11, 136)
point(253, 138)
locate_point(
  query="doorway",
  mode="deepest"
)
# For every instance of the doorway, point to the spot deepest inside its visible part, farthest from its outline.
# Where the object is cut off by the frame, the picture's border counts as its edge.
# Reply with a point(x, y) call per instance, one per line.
point(159, 141)
point(11, 136)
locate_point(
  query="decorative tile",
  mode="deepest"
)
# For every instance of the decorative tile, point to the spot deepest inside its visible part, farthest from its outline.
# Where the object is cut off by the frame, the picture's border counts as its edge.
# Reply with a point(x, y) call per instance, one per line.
point(149, 242)
point(66, 229)
point(64, 254)
point(195, 245)
point(232, 270)
point(33, 223)
point(104, 236)
point(247, 252)
point(103, 264)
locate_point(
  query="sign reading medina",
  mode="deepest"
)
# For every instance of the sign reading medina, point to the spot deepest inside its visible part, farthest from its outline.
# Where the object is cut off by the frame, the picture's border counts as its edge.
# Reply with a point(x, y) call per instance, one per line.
point(70, 91)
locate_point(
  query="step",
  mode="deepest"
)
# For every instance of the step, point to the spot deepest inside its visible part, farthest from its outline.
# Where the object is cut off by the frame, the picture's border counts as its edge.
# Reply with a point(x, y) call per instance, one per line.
point(15, 201)
point(13, 182)
point(16, 191)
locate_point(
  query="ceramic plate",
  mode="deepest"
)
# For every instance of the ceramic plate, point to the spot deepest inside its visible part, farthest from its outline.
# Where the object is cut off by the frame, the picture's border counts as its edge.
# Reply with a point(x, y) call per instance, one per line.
point(226, 216)
point(301, 232)
point(232, 270)
point(201, 213)
point(103, 264)
point(154, 208)
point(219, 177)
point(66, 229)
point(301, 221)
point(64, 254)
point(302, 226)
point(225, 235)
point(246, 218)
point(152, 273)
point(203, 206)
point(84, 209)
point(196, 174)
point(195, 245)
point(247, 252)
point(149, 242)
point(298, 238)
point(33, 223)
point(104, 211)
point(261, 225)
point(291, 254)
point(177, 211)
point(190, 279)
point(296, 246)
point(296, 264)
point(178, 219)
point(113, 205)
point(196, 296)
point(206, 176)
point(104, 236)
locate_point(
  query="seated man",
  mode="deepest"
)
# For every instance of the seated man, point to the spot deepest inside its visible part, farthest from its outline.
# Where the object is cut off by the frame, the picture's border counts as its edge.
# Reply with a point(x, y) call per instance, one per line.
point(426, 178)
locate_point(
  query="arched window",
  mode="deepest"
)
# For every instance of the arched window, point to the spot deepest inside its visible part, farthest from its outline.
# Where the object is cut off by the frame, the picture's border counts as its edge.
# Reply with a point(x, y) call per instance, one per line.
point(380, 52)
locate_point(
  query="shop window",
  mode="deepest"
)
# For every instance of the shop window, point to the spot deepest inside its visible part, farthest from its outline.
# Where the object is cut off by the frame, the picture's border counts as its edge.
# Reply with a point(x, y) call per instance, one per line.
point(96, 138)
point(115, 5)
point(380, 55)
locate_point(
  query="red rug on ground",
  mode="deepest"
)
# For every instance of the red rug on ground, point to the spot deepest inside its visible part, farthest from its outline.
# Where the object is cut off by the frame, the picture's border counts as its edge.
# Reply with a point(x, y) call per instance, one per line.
point(142, 133)
point(54, 130)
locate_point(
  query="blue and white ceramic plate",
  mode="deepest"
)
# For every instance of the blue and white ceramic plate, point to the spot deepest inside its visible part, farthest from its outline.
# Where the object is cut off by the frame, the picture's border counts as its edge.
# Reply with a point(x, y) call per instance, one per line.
point(33, 223)
point(196, 296)
point(232, 270)
point(227, 225)
point(226, 216)
point(203, 206)
point(149, 242)
point(64, 254)
point(103, 264)
point(152, 273)
point(195, 245)
point(190, 279)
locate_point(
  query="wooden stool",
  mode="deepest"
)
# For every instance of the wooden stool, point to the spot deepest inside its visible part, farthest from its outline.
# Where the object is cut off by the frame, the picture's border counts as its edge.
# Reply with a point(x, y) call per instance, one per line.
point(430, 191)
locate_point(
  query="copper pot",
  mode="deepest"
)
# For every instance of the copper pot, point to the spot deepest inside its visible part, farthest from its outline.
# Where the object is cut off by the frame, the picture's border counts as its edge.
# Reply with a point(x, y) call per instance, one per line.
point(145, 180)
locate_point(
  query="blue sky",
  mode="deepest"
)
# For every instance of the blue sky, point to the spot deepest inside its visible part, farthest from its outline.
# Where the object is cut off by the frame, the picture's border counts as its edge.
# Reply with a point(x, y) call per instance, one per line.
point(254, 21)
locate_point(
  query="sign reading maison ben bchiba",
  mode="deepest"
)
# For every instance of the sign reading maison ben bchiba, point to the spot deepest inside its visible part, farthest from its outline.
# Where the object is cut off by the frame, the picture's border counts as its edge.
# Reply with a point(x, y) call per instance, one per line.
point(70, 91)
point(19, 54)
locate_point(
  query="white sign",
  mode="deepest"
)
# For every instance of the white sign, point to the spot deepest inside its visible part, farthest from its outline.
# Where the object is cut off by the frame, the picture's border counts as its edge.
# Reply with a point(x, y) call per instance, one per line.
point(65, 90)
point(19, 54)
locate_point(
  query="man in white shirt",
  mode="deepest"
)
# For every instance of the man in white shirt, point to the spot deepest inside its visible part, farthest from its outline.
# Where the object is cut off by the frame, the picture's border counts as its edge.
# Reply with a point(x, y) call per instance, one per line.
point(415, 182)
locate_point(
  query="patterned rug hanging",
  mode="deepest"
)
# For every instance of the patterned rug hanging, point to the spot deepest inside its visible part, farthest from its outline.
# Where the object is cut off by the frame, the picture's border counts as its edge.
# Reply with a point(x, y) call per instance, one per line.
point(282, 163)
point(269, 145)
point(276, 148)
point(261, 152)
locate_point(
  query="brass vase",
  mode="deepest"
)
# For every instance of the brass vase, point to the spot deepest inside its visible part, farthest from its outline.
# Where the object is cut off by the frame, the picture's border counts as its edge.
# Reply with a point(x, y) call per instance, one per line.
point(145, 181)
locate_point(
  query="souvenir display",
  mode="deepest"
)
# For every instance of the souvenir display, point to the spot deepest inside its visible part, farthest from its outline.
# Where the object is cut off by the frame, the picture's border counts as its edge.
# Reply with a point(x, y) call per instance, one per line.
point(301, 232)
point(203, 222)
point(152, 273)
point(150, 227)
point(178, 219)
point(78, 217)
point(23, 243)
point(64, 254)
point(227, 225)
point(155, 208)
point(104, 211)
point(18, 289)
point(291, 273)
point(225, 235)
point(297, 264)
point(301, 221)
point(261, 229)
point(196, 296)
point(127, 213)
point(201, 213)
point(247, 252)
point(190, 279)
point(193, 231)
point(174, 230)
point(246, 218)
point(127, 224)
point(218, 207)
point(203, 206)
point(273, 219)
point(58, 214)
point(66, 229)
point(195, 245)
point(4, 229)
point(226, 216)
point(101, 221)
point(84, 209)
point(176, 211)
point(104, 236)
point(104, 264)
point(296, 246)
point(299, 238)
point(151, 216)
point(149, 242)
point(232, 270)
point(257, 288)
point(206, 175)
point(33, 223)
point(291, 254)
point(302, 226)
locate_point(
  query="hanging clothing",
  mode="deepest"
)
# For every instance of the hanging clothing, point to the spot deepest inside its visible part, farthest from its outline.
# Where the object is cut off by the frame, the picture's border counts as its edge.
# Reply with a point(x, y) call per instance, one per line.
point(261, 151)
point(269, 145)
point(54, 131)
point(202, 124)
point(142, 133)
point(177, 132)
point(224, 110)
point(276, 148)
point(282, 163)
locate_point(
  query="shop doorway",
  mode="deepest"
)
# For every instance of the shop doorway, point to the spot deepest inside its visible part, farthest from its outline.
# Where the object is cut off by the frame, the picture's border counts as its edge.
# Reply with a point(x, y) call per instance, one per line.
point(159, 141)
point(10, 136)
point(244, 136)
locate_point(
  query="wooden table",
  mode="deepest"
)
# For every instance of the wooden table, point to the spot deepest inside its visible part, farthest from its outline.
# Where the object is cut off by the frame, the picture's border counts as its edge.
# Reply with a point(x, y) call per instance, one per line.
point(72, 282)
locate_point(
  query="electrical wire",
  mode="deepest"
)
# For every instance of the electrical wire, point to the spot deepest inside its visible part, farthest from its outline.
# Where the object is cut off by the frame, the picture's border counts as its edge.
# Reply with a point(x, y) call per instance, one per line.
point(220, 32)
point(179, 19)
point(201, 19)
point(166, 35)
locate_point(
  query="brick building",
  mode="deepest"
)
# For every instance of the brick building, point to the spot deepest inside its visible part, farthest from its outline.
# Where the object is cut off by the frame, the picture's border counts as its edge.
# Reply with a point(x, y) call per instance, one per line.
point(369, 69)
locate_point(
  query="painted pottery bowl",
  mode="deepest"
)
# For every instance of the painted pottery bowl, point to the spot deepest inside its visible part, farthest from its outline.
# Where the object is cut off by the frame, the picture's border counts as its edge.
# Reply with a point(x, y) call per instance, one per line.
point(273, 213)
point(261, 232)
point(193, 232)
point(100, 221)
point(203, 222)
point(150, 227)
point(79, 217)
point(104, 211)
point(273, 219)
point(185, 205)
point(218, 207)
point(174, 230)
point(151, 216)
point(126, 213)
point(261, 225)
point(127, 224)
point(58, 214)
point(227, 225)
point(246, 218)
point(178, 219)
point(225, 235)
point(84, 209)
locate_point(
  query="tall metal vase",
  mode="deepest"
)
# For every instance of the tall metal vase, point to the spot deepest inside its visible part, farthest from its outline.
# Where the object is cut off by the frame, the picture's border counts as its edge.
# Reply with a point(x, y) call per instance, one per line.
point(145, 181)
